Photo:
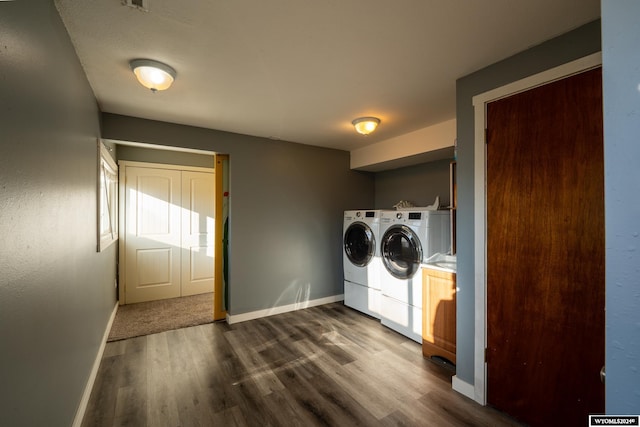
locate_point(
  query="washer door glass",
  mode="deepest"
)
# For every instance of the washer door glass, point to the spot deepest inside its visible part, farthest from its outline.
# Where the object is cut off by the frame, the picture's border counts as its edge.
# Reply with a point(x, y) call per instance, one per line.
point(401, 252)
point(359, 244)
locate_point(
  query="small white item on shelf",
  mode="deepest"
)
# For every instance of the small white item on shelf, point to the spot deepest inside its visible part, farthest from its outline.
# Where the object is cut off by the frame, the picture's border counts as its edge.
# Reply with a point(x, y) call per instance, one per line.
point(403, 204)
point(435, 206)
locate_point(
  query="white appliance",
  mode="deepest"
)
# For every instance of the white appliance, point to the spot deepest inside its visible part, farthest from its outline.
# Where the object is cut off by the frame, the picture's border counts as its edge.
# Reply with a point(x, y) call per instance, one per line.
point(361, 259)
point(408, 238)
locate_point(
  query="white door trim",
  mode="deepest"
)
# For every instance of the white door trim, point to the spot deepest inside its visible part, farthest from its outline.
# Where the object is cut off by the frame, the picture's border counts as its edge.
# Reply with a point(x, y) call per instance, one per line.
point(129, 163)
point(159, 146)
point(480, 225)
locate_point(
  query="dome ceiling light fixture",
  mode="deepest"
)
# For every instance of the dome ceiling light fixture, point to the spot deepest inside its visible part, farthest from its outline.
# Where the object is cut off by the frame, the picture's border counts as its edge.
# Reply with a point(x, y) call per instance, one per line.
point(153, 74)
point(365, 125)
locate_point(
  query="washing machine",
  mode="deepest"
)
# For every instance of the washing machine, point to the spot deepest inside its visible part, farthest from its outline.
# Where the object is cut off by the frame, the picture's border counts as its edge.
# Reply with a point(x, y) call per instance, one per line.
point(407, 239)
point(361, 259)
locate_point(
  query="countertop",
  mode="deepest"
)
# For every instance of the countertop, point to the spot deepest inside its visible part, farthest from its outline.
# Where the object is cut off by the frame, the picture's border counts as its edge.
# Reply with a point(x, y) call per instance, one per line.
point(441, 262)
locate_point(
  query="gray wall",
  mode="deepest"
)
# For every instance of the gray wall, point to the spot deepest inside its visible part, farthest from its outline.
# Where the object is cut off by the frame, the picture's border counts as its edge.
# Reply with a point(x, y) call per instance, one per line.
point(149, 155)
point(573, 45)
point(621, 86)
point(419, 184)
point(56, 291)
point(286, 208)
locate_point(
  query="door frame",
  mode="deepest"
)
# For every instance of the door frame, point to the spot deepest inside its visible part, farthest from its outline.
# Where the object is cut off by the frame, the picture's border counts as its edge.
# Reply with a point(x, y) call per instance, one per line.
point(219, 309)
point(478, 391)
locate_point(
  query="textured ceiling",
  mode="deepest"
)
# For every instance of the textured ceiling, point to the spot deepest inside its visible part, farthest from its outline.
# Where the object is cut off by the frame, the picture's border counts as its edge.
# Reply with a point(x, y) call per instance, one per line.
point(301, 70)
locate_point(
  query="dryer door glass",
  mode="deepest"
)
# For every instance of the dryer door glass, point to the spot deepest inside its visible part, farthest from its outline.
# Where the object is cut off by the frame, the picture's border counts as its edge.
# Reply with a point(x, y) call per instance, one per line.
point(401, 252)
point(359, 244)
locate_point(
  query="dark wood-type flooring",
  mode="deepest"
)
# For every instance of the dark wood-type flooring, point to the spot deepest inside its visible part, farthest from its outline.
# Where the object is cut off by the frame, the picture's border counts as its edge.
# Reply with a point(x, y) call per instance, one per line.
point(322, 366)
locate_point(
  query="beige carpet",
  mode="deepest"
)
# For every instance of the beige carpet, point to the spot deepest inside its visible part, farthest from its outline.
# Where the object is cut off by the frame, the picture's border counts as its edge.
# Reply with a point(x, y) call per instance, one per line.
point(145, 318)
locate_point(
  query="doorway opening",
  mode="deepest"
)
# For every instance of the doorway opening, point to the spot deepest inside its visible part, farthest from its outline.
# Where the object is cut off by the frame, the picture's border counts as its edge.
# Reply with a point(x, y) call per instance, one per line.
point(204, 259)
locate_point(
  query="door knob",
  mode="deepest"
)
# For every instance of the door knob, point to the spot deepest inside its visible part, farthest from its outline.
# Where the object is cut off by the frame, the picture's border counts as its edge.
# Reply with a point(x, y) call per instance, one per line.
point(602, 375)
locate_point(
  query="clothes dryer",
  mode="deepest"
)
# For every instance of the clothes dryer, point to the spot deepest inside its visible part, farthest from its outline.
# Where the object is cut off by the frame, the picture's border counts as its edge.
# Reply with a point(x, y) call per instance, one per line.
point(408, 238)
point(361, 259)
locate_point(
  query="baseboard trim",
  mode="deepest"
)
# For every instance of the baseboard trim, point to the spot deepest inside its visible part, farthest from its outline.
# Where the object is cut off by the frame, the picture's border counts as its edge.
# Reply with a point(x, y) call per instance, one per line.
point(463, 387)
point(243, 317)
point(82, 408)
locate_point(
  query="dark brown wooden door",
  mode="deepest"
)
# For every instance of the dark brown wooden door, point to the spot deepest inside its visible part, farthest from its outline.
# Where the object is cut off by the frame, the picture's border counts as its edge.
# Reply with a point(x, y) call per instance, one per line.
point(545, 252)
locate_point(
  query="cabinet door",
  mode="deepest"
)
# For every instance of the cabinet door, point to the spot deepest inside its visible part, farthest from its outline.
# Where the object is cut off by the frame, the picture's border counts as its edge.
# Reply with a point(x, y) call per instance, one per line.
point(439, 314)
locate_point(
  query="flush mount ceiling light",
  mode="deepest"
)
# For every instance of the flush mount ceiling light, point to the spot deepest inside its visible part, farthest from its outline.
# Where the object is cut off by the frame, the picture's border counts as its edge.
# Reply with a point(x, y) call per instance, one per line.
point(365, 125)
point(153, 74)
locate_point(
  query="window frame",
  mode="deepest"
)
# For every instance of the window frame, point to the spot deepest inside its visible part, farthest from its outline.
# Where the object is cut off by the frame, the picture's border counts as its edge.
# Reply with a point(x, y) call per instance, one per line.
point(107, 198)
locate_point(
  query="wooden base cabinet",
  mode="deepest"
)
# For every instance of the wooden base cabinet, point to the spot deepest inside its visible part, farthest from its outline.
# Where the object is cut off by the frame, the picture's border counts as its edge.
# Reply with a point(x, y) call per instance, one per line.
point(439, 314)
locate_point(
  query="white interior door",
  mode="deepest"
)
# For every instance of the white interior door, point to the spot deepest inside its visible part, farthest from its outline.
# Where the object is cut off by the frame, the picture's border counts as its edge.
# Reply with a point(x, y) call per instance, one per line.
point(153, 236)
point(198, 227)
